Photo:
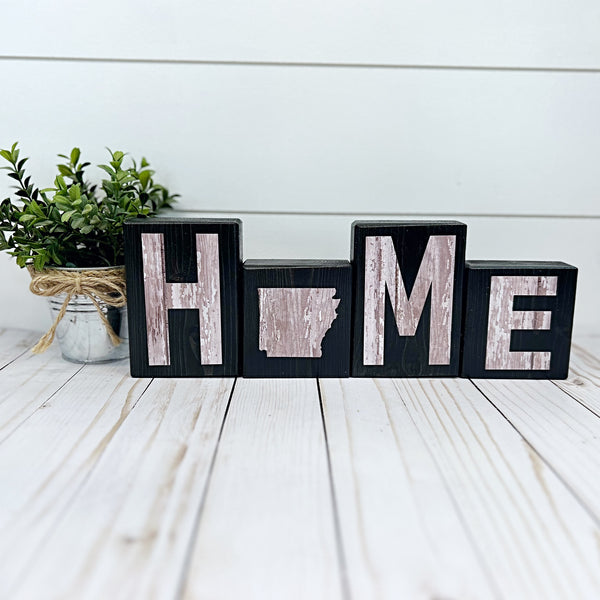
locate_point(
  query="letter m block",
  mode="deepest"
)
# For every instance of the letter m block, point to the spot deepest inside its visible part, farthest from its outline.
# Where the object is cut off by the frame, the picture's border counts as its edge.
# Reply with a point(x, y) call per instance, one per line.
point(183, 297)
point(408, 278)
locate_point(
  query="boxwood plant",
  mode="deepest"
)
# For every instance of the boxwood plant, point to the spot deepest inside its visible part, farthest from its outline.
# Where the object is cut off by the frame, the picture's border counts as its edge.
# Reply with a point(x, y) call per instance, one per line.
point(75, 223)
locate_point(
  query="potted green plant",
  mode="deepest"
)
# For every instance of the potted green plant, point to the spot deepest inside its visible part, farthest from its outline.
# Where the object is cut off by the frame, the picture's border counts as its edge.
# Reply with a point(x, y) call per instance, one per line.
point(70, 238)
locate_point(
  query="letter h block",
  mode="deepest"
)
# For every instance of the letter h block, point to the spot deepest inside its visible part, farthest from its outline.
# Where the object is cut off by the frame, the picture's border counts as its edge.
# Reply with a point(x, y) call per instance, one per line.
point(408, 289)
point(518, 319)
point(183, 279)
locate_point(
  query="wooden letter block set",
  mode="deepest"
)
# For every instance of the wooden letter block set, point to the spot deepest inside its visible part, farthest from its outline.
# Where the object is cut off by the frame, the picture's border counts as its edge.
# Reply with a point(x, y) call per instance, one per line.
point(407, 305)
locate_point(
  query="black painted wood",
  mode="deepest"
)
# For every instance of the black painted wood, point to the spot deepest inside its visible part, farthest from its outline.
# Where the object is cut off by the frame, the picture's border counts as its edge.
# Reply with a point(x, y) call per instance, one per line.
point(406, 356)
point(335, 345)
point(557, 339)
point(180, 266)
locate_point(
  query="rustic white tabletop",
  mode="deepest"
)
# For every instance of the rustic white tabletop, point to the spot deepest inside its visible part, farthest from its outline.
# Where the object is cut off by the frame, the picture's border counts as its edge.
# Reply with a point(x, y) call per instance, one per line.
point(112, 487)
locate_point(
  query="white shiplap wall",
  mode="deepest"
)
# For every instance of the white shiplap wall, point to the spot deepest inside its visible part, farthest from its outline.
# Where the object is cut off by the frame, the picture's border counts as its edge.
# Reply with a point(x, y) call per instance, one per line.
point(298, 117)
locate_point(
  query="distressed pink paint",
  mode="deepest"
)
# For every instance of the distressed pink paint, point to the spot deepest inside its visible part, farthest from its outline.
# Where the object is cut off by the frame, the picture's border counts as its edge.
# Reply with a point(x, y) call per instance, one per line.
point(294, 321)
point(382, 272)
point(503, 319)
point(205, 295)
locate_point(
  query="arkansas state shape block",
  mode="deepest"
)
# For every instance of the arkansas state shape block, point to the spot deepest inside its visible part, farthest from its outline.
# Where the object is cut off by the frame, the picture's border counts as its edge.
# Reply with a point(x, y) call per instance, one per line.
point(518, 319)
point(407, 298)
point(297, 317)
point(183, 297)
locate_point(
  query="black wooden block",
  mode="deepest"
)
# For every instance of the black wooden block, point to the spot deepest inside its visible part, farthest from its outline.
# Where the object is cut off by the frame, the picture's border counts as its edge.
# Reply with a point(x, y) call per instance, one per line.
point(518, 319)
point(297, 318)
point(183, 298)
point(408, 285)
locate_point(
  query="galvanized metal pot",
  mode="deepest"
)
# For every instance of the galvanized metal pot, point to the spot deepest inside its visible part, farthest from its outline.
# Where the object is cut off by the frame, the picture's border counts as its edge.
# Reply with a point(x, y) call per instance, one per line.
point(81, 333)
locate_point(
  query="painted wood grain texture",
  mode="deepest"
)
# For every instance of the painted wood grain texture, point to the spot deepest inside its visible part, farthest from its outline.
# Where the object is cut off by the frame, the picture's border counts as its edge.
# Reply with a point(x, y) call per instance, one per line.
point(107, 489)
point(14, 342)
point(531, 531)
point(518, 319)
point(541, 33)
point(583, 383)
point(408, 282)
point(502, 320)
point(194, 306)
point(27, 383)
point(127, 531)
point(297, 318)
point(294, 321)
point(383, 274)
point(402, 534)
point(267, 528)
point(160, 296)
point(575, 240)
point(565, 433)
point(48, 459)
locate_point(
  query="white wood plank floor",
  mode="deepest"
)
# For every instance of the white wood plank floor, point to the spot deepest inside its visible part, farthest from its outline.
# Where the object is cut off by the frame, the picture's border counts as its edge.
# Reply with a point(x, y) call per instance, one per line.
point(112, 487)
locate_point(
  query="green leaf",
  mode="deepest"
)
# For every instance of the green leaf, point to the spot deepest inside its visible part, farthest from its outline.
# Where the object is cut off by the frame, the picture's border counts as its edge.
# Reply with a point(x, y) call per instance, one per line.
point(75, 154)
point(106, 168)
point(65, 171)
point(39, 261)
point(67, 215)
point(145, 178)
point(36, 209)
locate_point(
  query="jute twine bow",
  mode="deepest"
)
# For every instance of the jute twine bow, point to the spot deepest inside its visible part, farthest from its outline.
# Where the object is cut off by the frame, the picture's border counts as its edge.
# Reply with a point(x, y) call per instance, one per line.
point(107, 285)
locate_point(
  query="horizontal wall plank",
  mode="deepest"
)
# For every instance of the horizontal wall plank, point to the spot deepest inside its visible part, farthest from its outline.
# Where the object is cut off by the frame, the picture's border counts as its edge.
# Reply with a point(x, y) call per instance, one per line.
point(313, 140)
point(576, 241)
point(535, 33)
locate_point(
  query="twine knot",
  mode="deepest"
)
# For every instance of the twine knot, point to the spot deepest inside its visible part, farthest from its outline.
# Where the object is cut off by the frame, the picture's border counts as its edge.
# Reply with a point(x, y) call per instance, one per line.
point(106, 286)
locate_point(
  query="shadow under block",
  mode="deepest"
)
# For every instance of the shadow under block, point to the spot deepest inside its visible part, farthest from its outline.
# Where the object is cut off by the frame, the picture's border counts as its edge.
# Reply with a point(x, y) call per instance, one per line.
point(183, 278)
point(408, 290)
point(518, 319)
point(297, 318)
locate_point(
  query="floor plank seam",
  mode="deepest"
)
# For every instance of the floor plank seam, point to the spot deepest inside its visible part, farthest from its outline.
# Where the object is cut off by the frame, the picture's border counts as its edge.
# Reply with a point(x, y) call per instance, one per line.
point(42, 404)
point(180, 589)
point(568, 393)
point(343, 565)
point(76, 492)
point(580, 501)
point(486, 569)
point(10, 362)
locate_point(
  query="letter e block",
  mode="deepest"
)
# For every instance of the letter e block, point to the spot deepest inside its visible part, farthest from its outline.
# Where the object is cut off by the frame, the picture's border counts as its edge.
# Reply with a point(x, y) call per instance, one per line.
point(518, 319)
point(297, 318)
point(183, 297)
point(408, 279)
